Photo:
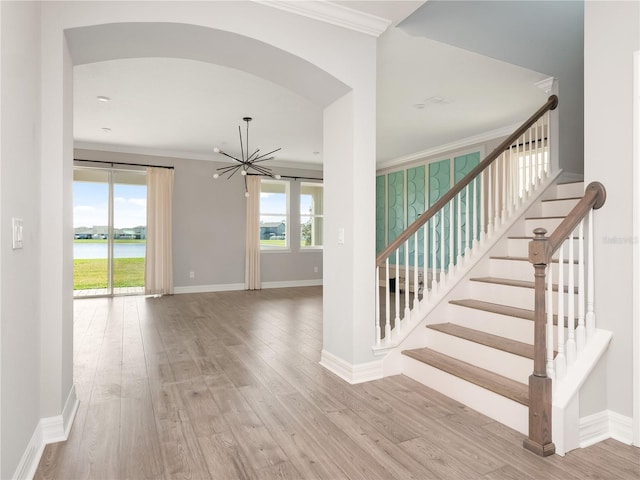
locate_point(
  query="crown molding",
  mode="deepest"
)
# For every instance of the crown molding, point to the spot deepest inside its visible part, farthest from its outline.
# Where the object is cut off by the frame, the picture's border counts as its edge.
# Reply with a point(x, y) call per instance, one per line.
point(449, 147)
point(333, 14)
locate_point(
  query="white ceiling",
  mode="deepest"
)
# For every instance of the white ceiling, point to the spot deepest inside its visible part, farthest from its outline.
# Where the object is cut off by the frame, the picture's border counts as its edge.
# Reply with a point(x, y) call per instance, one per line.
point(185, 108)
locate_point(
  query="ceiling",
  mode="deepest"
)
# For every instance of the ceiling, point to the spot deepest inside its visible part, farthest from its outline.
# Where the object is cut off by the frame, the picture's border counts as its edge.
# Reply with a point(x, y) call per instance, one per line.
point(429, 94)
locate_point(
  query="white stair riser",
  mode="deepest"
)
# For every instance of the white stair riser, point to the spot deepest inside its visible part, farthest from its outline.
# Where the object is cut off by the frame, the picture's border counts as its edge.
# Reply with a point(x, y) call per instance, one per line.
point(568, 190)
point(503, 363)
point(495, 406)
point(558, 207)
point(549, 224)
point(515, 328)
point(519, 297)
point(519, 247)
point(523, 270)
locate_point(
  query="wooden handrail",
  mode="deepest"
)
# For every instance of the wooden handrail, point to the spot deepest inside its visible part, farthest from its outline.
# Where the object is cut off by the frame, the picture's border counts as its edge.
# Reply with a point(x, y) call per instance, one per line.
point(551, 104)
point(541, 249)
point(540, 252)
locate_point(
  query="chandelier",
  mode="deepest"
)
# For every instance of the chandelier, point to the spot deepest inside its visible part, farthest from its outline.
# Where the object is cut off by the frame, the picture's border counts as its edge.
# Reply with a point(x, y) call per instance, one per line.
point(246, 164)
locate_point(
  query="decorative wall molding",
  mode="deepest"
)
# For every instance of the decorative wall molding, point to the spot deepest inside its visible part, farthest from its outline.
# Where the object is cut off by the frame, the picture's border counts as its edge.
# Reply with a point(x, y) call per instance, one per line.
point(333, 14)
point(229, 287)
point(352, 373)
point(545, 85)
point(49, 430)
point(449, 147)
point(603, 425)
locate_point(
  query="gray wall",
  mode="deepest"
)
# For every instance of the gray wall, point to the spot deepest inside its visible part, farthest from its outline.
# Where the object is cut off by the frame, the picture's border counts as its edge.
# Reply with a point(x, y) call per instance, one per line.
point(19, 197)
point(543, 36)
point(209, 225)
point(612, 35)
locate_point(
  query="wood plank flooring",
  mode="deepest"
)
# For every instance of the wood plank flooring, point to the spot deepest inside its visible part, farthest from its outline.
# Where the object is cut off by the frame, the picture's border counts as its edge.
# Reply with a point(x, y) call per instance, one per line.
point(228, 386)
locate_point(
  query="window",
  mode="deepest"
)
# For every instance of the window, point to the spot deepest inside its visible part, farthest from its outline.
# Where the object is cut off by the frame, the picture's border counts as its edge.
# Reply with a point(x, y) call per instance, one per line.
point(311, 215)
point(274, 214)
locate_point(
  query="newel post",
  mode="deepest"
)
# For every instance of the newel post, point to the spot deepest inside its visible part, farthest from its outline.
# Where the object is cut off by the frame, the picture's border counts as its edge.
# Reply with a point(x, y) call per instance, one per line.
point(540, 387)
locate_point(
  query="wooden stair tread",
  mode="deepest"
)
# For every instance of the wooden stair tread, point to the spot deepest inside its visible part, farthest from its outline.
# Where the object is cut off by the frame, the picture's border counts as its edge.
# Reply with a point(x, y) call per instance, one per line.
point(506, 387)
point(502, 309)
point(525, 259)
point(516, 283)
point(494, 341)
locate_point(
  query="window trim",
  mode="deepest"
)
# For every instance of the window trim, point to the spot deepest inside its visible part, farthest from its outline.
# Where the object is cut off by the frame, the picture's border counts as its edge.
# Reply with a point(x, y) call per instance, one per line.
point(310, 248)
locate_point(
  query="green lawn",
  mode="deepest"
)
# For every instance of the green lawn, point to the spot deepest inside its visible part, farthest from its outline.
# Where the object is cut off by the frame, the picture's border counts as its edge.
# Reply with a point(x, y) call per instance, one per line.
point(92, 273)
point(273, 243)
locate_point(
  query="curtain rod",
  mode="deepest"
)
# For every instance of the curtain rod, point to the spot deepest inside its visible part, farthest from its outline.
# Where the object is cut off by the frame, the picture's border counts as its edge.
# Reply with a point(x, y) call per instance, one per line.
point(286, 176)
point(123, 163)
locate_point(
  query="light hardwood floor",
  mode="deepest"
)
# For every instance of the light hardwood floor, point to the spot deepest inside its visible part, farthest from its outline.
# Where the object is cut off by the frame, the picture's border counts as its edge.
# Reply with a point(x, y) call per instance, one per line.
point(228, 386)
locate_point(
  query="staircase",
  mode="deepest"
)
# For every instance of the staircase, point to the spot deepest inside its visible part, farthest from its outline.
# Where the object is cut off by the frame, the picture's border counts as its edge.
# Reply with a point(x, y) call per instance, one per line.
point(478, 346)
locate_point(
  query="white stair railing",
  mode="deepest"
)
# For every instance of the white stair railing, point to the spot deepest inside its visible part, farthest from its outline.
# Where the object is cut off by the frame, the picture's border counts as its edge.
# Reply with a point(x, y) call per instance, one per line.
point(445, 237)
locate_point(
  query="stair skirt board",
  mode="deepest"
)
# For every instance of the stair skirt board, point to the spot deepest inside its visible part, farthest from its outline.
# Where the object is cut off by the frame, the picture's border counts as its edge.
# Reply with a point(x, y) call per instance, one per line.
point(493, 405)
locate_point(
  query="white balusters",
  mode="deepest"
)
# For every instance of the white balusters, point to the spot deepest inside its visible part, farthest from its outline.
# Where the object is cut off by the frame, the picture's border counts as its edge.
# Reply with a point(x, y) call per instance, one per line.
point(434, 265)
point(425, 263)
point(468, 224)
point(451, 235)
point(459, 229)
point(561, 360)
point(550, 367)
point(397, 323)
point(416, 286)
point(490, 202)
point(482, 204)
point(581, 330)
point(442, 248)
point(591, 316)
point(504, 187)
point(378, 330)
point(571, 339)
point(387, 318)
point(407, 279)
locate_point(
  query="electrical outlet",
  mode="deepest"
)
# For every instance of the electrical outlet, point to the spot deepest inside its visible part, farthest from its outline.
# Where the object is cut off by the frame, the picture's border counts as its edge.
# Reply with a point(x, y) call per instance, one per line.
point(192, 274)
point(315, 269)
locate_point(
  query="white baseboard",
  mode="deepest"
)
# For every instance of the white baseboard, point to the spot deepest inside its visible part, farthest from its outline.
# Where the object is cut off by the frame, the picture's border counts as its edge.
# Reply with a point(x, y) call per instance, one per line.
point(293, 283)
point(358, 373)
point(49, 430)
point(603, 425)
point(222, 287)
point(228, 287)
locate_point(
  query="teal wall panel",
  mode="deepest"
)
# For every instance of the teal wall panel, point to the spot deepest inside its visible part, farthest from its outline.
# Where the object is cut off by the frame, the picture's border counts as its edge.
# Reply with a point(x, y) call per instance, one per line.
point(415, 207)
point(461, 166)
point(439, 184)
point(381, 208)
point(395, 208)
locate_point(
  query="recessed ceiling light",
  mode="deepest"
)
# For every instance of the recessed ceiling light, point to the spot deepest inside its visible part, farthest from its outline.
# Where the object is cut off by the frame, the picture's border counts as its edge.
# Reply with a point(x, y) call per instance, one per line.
point(102, 98)
point(316, 153)
point(419, 106)
point(106, 129)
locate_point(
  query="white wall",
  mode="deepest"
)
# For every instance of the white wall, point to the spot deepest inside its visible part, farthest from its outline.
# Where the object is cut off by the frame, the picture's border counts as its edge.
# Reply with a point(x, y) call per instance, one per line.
point(209, 225)
point(19, 197)
point(612, 34)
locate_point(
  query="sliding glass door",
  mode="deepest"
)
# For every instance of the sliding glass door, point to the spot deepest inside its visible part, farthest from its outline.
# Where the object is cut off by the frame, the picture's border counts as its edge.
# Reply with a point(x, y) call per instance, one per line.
point(109, 231)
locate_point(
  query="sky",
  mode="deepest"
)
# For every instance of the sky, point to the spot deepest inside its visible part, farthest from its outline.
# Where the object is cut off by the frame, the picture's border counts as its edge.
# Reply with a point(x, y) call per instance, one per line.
point(90, 205)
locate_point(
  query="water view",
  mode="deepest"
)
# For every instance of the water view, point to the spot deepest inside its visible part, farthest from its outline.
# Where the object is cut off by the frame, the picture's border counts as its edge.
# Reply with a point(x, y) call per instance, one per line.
point(99, 250)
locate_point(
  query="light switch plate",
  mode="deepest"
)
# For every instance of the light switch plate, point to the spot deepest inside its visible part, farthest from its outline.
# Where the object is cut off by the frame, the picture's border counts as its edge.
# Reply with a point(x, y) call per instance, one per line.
point(16, 227)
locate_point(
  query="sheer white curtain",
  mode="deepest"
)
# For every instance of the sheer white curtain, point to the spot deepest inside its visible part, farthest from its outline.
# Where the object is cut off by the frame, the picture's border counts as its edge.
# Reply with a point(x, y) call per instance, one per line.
point(252, 235)
point(158, 273)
